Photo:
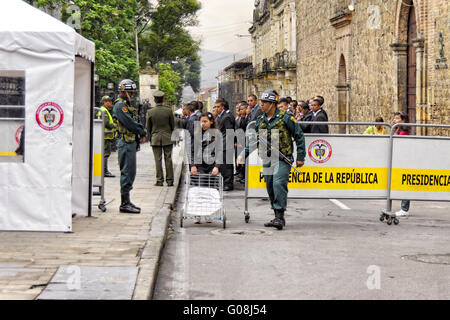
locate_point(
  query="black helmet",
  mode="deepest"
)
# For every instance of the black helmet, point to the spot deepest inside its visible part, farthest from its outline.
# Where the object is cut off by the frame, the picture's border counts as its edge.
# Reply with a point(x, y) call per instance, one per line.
point(270, 95)
point(127, 85)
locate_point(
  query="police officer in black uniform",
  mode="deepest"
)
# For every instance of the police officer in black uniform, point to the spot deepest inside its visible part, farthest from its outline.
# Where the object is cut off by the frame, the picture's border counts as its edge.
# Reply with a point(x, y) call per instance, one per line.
point(130, 130)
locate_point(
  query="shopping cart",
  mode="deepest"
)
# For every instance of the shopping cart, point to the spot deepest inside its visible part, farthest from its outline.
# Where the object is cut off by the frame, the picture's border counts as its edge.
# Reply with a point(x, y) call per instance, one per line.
point(204, 198)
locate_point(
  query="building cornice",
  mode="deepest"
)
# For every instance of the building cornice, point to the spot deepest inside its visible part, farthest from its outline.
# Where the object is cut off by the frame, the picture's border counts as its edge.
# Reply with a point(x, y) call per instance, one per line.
point(342, 19)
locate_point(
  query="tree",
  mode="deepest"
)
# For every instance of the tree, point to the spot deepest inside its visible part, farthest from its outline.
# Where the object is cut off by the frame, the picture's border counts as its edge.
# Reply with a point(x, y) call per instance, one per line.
point(170, 83)
point(114, 24)
point(167, 40)
point(111, 25)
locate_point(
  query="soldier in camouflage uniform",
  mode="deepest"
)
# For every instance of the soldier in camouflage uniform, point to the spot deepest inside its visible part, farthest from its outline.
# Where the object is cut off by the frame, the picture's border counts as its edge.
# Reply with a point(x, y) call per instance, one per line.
point(129, 131)
point(110, 132)
point(277, 177)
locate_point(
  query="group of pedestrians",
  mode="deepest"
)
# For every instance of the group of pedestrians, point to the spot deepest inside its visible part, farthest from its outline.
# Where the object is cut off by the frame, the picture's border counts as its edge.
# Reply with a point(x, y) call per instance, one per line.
point(222, 119)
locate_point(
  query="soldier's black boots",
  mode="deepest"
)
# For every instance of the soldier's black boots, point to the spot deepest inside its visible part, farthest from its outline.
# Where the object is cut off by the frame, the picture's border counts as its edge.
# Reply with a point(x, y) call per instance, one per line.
point(127, 207)
point(278, 222)
point(109, 175)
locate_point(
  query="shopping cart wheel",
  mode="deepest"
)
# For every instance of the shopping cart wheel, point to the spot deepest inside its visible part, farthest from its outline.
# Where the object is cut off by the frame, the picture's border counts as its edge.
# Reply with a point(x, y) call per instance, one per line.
point(247, 216)
point(181, 222)
point(102, 207)
point(224, 221)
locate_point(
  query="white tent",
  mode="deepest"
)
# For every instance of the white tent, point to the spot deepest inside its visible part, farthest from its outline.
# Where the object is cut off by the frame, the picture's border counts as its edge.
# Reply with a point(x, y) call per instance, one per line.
point(56, 64)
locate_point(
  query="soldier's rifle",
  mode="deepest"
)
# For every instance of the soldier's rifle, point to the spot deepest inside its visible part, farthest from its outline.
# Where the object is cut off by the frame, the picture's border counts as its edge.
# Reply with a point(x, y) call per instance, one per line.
point(280, 154)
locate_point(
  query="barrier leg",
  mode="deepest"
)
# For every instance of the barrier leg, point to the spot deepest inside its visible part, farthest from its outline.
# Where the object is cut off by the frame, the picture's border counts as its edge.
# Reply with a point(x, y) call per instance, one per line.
point(387, 213)
point(246, 213)
point(102, 204)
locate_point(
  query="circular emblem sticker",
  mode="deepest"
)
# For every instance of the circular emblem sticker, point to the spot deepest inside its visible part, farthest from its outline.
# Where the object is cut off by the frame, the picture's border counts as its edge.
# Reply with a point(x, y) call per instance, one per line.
point(49, 116)
point(18, 133)
point(320, 151)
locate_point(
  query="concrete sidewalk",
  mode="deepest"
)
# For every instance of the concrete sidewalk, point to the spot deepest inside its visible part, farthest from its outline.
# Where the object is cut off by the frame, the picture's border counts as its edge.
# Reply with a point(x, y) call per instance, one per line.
point(29, 260)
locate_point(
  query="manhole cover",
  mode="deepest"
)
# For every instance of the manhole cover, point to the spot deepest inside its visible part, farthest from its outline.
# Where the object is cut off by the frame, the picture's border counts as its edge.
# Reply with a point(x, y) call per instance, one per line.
point(242, 232)
point(430, 258)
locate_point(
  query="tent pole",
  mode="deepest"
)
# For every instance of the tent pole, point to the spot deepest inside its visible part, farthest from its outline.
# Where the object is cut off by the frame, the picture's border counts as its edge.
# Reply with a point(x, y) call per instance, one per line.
point(91, 137)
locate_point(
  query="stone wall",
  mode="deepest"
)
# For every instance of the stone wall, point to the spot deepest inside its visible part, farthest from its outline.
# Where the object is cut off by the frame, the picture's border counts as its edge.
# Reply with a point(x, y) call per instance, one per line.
point(362, 43)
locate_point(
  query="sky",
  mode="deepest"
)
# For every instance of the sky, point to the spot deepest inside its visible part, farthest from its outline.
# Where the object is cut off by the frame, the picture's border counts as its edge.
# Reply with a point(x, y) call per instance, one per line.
point(220, 21)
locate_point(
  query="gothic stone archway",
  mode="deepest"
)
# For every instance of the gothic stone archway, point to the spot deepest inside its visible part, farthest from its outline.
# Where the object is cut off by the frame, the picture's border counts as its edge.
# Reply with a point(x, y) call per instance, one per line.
point(409, 59)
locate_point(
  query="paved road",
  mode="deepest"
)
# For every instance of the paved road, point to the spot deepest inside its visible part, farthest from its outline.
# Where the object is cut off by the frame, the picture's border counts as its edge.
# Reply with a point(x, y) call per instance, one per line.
point(329, 250)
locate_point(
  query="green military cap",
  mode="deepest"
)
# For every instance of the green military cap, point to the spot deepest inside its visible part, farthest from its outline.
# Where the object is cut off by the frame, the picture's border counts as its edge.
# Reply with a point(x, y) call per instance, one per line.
point(107, 98)
point(159, 94)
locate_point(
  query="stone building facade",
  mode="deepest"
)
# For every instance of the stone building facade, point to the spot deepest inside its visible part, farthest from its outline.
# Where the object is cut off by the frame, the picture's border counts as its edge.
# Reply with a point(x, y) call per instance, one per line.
point(274, 48)
point(232, 83)
point(383, 56)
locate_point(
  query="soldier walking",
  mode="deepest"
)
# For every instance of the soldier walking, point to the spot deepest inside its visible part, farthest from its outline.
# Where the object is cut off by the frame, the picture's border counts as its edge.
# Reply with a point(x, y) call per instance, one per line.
point(160, 125)
point(130, 131)
point(277, 175)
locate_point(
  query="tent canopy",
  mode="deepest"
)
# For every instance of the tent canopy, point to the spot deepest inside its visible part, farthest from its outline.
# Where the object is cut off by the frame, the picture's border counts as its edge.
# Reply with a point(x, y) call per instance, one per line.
point(55, 64)
point(18, 17)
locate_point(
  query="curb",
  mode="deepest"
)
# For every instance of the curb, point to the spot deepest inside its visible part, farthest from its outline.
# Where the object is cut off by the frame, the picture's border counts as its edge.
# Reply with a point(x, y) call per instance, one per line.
point(151, 253)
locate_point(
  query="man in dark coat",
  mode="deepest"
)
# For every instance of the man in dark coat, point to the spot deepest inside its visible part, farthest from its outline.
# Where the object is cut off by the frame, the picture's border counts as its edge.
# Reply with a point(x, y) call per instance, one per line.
point(225, 121)
point(307, 116)
point(318, 115)
point(256, 109)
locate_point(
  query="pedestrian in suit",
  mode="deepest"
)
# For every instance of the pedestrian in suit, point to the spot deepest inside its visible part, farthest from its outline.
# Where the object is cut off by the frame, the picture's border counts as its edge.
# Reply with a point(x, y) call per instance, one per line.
point(225, 121)
point(241, 116)
point(318, 115)
point(160, 125)
point(256, 109)
point(241, 124)
point(306, 117)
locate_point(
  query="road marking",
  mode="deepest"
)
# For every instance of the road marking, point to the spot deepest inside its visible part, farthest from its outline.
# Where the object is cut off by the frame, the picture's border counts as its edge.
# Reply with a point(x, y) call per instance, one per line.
point(340, 204)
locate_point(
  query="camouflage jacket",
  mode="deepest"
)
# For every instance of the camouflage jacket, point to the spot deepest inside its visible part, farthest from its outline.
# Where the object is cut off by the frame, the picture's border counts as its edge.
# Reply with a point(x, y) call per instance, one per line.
point(126, 118)
point(289, 131)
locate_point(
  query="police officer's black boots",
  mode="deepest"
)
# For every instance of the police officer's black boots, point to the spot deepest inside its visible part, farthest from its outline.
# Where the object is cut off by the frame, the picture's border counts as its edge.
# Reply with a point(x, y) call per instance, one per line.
point(133, 205)
point(126, 206)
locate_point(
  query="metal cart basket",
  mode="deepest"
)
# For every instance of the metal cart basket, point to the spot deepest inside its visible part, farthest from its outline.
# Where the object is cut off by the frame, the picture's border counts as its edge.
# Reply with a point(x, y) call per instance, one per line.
point(204, 198)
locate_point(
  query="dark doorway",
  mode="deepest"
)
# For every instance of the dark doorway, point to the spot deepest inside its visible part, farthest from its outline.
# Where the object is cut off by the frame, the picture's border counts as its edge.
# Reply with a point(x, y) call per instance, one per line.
point(412, 35)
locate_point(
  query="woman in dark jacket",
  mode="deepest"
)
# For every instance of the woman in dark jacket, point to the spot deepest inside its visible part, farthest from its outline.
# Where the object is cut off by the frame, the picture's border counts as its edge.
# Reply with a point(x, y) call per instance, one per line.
point(207, 123)
point(207, 165)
